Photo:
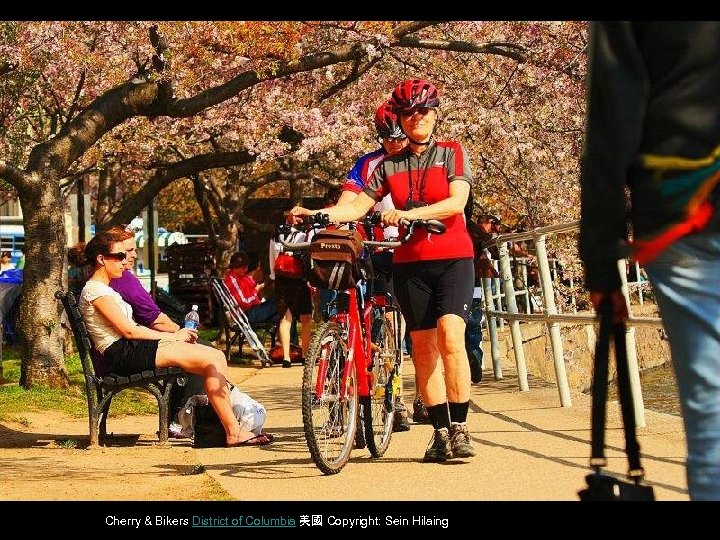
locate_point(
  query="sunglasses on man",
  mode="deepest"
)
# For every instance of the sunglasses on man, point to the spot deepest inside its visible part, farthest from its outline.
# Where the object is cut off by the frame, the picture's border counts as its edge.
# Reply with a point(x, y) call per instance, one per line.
point(391, 139)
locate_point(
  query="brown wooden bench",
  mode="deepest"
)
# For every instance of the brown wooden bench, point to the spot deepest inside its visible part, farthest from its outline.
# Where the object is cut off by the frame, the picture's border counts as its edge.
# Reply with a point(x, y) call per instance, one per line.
point(101, 388)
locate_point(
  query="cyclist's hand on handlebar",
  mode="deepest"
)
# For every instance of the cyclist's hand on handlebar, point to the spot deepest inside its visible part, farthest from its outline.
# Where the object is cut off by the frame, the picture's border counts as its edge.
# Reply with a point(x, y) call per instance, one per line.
point(296, 214)
point(395, 216)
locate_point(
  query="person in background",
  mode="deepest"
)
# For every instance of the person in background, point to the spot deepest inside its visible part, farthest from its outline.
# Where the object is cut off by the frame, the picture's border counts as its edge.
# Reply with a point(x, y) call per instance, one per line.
point(653, 131)
point(392, 140)
point(132, 348)
point(432, 274)
point(473, 330)
point(294, 301)
point(246, 291)
point(5, 263)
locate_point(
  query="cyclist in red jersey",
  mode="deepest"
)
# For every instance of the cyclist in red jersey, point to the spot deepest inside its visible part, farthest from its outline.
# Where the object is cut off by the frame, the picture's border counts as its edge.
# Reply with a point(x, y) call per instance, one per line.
point(432, 274)
point(392, 140)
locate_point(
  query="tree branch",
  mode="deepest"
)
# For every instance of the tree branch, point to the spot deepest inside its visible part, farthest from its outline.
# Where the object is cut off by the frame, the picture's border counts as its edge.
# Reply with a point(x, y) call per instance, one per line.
point(182, 169)
point(358, 71)
point(509, 50)
point(223, 92)
point(14, 176)
point(202, 200)
point(76, 97)
point(7, 67)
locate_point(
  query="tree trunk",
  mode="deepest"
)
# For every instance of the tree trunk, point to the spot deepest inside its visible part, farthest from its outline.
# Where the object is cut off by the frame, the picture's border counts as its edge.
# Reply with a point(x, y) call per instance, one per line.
point(41, 334)
point(227, 241)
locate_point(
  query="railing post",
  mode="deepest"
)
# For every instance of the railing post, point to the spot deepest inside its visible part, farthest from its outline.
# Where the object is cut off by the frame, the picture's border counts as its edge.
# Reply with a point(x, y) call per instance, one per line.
point(498, 296)
point(492, 328)
point(522, 266)
point(507, 280)
point(553, 327)
point(635, 387)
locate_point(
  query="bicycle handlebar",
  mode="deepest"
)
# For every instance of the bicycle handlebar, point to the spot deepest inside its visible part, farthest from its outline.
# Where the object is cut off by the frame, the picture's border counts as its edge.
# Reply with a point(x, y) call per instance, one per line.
point(320, 221)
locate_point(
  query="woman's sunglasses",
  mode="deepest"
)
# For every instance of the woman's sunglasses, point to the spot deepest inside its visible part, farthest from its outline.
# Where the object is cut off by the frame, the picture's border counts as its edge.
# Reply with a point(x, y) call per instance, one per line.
point(422, 111)
point(119, 256)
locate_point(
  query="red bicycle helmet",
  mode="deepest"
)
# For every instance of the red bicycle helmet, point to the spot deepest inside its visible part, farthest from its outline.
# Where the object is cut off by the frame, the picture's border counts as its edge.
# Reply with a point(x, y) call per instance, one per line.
point(413, 94)
point(387, 123)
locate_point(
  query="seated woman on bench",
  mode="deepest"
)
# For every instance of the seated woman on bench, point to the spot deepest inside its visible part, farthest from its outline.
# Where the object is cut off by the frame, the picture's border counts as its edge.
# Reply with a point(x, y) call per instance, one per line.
point(131, 348)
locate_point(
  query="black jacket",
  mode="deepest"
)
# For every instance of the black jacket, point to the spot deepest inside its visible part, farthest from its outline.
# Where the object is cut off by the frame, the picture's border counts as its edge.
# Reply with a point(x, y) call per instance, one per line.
point(653, 124)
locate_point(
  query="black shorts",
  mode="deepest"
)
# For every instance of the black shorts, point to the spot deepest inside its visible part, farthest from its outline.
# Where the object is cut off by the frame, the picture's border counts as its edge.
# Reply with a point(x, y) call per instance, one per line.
point(128, 356)
point(293, 294)
point(382, 273)
point(427, 290)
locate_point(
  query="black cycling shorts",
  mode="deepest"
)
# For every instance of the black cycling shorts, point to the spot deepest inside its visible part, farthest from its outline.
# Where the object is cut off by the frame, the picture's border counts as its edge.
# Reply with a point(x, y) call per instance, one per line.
point(294, 294)
point(427, 290)
point(128, 356)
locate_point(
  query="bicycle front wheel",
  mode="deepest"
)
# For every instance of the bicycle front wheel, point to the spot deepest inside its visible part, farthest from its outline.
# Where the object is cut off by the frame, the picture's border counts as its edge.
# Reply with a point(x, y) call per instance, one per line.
point(329, 404)
point(379, 407)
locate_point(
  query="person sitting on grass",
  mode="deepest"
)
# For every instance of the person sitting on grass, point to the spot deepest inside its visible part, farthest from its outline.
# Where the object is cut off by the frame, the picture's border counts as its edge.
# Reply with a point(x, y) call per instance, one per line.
point(131, 348)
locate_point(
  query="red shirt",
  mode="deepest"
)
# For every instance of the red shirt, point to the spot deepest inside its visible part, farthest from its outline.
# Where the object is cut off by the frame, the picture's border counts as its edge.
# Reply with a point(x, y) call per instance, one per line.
point(426, 178)
point(242, 288)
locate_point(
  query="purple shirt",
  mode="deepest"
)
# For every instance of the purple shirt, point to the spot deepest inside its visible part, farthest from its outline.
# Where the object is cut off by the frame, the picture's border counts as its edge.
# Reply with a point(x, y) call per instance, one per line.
point(145, 310)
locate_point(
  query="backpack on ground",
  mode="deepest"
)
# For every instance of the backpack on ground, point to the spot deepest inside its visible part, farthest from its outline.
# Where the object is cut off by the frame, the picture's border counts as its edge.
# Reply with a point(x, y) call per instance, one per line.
point(200, 421)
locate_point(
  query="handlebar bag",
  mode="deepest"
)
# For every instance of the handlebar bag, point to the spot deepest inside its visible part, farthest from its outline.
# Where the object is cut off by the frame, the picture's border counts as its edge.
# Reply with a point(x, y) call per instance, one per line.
point(335, 259)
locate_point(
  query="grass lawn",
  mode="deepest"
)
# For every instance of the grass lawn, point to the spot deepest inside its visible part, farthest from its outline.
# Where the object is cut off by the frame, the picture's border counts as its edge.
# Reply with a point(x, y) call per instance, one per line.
point(15, 400)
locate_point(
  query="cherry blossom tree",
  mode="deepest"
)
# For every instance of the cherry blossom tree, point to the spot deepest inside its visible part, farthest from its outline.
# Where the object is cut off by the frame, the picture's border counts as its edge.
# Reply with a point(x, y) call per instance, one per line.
point(92, 94)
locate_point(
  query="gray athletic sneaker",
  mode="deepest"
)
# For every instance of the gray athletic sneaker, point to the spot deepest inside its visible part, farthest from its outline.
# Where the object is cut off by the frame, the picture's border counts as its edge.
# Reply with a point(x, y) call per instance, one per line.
point(460, 440)
point(400, 420)
point(438, 450)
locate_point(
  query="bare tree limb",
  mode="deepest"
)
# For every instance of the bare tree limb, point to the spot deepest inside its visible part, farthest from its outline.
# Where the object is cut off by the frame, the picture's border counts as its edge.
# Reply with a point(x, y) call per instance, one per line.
point(204, 204)
point(7, 67)
point(16, 177)
point(182, 169)
point(357, 72)
point(502, 90)
point(509, 50)
point(76, 97)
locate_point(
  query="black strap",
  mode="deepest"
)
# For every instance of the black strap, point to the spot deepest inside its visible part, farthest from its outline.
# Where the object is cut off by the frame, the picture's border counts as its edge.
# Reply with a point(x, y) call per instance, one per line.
point(599, 390)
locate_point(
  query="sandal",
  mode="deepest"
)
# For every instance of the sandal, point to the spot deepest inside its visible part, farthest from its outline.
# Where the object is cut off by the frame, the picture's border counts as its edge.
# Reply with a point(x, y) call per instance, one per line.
point(258, 440)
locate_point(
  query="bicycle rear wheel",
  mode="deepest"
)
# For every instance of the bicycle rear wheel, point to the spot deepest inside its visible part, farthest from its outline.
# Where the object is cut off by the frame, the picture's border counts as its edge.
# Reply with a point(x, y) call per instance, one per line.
point(329, 417)
point(379, 408)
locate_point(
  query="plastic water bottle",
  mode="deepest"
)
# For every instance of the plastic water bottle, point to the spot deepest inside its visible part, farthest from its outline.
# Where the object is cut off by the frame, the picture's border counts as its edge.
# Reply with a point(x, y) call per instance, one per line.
point(192, 319)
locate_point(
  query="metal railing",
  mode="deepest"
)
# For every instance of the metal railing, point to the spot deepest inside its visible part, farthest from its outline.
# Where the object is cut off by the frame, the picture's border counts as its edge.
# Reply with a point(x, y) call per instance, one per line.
point(502, 306)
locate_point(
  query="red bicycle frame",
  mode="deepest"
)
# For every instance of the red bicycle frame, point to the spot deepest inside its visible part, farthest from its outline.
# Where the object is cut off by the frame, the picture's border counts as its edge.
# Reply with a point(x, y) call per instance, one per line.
point(358, 341)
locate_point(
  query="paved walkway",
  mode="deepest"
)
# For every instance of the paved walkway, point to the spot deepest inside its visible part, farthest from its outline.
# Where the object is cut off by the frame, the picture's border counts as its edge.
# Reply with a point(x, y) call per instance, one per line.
point(529, 449)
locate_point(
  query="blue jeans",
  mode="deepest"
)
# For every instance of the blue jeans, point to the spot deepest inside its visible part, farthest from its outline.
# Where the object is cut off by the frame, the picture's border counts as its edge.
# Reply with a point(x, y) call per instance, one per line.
point(686, 281)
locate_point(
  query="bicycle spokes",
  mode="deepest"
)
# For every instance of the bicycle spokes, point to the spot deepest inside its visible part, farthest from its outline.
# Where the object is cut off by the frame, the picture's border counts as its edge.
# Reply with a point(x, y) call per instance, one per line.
point(329, 400)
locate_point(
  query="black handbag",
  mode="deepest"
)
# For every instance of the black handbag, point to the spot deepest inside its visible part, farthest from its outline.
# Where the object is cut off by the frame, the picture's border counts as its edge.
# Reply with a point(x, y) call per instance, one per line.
point(602, 486)
point(208, 430)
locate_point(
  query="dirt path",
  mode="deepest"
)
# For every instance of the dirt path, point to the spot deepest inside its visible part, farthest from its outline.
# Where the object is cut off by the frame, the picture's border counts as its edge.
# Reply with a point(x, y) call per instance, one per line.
point(45, 457)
